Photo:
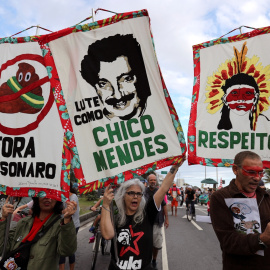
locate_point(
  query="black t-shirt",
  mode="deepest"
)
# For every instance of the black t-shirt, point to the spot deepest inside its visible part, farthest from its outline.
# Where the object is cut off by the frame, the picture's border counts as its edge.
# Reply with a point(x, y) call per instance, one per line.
point(190, 195)
point(135, 241)
point(160, 216)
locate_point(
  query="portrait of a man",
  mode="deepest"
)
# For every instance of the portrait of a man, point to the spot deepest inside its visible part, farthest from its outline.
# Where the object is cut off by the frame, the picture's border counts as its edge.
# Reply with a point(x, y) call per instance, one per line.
point(114, 66)
point(124, 237)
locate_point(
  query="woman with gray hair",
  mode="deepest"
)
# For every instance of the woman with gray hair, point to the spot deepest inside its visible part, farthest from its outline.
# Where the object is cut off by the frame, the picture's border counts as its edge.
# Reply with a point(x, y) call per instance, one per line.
point(133, 228)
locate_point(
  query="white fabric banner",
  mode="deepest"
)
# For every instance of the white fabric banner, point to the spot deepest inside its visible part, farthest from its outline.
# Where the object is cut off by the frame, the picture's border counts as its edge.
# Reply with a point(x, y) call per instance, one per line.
point(233, 105)
point(31, 134)
point(115, 99)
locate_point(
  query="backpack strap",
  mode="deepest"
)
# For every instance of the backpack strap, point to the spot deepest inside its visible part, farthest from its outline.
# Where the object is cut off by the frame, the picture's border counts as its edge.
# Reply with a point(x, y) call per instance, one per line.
point(45, 229)
point(37, 237)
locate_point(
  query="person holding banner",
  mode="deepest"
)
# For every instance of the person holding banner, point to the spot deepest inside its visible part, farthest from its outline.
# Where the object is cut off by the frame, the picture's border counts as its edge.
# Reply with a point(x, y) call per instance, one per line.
point(133, 228)
point(42, 237)
point(240, 215)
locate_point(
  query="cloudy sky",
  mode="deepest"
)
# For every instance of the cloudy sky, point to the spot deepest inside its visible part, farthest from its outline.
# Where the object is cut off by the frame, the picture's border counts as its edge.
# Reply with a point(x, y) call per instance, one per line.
point(176, 26)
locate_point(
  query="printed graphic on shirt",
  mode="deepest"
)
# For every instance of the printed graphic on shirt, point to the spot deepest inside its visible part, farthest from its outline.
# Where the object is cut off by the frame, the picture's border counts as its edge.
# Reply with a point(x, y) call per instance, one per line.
point(129, 241)
point(10, 264)
point(246, 216)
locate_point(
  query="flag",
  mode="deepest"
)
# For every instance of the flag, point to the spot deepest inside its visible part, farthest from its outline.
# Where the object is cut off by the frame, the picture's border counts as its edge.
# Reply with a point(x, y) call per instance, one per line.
point(230, 103)
point(121, 112)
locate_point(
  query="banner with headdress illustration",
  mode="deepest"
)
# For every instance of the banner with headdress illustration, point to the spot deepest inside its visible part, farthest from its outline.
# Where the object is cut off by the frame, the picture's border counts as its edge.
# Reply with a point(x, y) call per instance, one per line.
point(121, 112)
point(230, 103)
point(37, 145)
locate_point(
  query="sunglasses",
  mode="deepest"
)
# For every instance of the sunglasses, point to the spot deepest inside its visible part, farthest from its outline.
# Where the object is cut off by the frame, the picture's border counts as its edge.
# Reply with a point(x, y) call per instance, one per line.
point(133, 193)
point(253, 173)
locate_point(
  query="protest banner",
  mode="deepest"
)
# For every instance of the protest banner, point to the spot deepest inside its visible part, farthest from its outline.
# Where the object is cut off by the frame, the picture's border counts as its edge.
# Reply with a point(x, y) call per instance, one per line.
point(35, 138)
point(230, 103)
point(122, 115)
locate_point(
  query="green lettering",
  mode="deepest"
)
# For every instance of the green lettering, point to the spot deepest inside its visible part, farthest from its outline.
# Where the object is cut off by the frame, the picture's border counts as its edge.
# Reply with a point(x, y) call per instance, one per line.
point(212, 140)
point(95, 134)
point(203, 138)
point(148, 147)
point(252, 140)
point(262, 136)
point(124, 130)
point(157, 141)
point(129, 127)
point(244, 140)
point(147, 124)
point(137, 145)
point(124, 156)
point(220, 138)
point(100, 161)
point(235, 138)
point(111, 158)
point(116, 132)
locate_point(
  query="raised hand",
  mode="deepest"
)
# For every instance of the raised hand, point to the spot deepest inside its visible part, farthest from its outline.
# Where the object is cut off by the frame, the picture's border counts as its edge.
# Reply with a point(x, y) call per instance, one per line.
point(7, 209)
point(70, 209)
point(108, 196)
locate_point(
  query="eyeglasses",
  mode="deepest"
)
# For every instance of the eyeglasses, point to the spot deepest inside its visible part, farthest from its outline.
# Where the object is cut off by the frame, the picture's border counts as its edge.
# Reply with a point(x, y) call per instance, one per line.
point(133, 193)
point(253, 173)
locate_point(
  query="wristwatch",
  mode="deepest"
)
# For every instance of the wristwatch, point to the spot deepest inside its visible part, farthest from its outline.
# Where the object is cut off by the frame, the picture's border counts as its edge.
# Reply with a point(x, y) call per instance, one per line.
point(261, 243)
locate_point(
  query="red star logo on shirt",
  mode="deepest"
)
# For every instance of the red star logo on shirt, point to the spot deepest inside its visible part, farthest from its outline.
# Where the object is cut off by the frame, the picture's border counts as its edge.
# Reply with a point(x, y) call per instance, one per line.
point(135, 250)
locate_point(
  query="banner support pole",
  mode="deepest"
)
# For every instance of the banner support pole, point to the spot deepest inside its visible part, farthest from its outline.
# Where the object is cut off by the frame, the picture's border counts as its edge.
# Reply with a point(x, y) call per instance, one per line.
point(7, 229)
point(93, 15)
point(114, 240)
point(37, 31)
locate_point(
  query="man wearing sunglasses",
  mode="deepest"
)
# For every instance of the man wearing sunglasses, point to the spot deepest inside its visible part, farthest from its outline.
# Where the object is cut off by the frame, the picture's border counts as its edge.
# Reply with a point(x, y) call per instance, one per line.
point(243, 246)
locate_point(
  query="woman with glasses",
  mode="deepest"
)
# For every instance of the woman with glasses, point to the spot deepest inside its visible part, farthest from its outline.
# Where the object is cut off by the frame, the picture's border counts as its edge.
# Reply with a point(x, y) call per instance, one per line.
point(133, 228)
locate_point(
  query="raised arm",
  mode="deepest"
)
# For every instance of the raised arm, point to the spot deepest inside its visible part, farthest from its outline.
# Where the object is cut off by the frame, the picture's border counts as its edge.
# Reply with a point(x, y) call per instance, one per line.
point(167, 182)
point(106, 226)
point(97, 204)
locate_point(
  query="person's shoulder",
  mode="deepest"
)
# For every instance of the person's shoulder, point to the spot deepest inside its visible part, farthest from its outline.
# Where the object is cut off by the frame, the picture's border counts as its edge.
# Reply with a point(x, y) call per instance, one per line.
point(222, 193)
point(73, 197)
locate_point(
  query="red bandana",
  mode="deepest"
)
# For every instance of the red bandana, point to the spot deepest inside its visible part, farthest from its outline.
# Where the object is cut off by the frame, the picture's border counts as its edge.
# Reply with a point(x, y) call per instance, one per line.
point(37, 224)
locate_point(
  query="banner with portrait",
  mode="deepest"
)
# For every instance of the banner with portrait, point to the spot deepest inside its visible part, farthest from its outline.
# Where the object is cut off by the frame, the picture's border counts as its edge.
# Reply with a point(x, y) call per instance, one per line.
point(35, 152)
point(230, 103)
point(121, 112)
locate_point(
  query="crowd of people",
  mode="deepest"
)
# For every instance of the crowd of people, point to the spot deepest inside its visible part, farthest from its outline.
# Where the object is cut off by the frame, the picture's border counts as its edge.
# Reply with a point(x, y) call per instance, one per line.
point(46, 233)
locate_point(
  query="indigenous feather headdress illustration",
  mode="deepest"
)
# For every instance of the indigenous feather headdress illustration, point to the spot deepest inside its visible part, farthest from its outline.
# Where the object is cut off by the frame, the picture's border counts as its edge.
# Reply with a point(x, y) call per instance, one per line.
point(240, 69)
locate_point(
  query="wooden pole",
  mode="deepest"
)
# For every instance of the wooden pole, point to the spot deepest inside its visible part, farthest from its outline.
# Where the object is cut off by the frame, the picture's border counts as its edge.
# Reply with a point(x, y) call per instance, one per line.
point(7, 230)
point(93, 15)
point(37, 31)
point(115, 236)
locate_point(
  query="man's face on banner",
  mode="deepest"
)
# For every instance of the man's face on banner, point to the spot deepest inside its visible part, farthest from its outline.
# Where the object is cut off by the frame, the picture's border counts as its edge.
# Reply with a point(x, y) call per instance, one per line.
point(240, 98)
point(116, 87)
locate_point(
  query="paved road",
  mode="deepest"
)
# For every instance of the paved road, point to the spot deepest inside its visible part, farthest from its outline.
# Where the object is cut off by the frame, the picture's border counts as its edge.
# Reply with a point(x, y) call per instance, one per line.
point(188, 246)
